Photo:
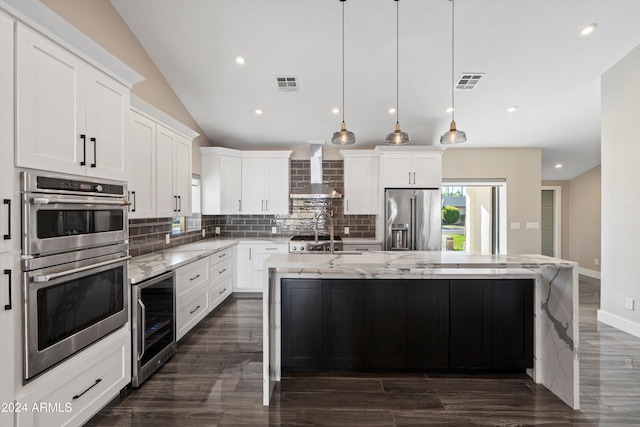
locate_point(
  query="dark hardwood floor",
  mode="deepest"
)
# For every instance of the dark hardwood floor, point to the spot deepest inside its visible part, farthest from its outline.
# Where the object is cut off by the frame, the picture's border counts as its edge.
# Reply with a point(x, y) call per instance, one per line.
point(215, 379)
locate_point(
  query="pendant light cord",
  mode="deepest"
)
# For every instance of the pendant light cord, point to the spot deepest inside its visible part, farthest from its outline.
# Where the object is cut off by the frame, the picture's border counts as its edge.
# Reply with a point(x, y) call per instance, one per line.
point(453, 104)
point(397, 61)
point(342, 1)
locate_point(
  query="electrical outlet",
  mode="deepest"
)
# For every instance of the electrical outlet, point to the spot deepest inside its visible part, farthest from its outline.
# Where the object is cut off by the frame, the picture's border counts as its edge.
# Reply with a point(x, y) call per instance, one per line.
point(274, 230)
point(203, 232)
point(217, 231)
point(167, 238)
point(596, 261)
point(515, 226)
point(346, 231)
point(629, 304)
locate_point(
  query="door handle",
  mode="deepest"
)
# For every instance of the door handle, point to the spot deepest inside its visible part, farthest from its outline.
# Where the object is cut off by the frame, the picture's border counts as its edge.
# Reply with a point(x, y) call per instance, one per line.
point(180, 201)
point(175, 200)
point(8, 273)
point(134, 201)
point(409, 177)
point(95, 154)
point(84, 150)
point(8, 203)
point(143, 327)
point(266, 204)
point(78, 396)
point(414, 177)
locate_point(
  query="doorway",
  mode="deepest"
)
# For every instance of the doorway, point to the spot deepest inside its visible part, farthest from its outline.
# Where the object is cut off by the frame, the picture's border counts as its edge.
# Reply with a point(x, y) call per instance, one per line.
point(473, 217)
point(551, 220)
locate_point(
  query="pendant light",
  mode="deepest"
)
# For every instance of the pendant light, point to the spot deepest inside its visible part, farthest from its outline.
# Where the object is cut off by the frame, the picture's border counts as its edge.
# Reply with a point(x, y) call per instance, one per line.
point(397, 137)
point(343, 136)
point(453, 136)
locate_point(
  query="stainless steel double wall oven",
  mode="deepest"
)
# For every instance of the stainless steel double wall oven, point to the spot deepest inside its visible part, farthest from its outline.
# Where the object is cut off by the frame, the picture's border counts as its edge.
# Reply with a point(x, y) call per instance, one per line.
point(75, 259)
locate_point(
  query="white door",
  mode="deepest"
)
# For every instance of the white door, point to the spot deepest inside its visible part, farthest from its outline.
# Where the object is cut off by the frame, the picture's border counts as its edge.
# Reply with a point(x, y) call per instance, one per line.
point(182, 171)
point(244, 280)
point(361, 186)
point(230, 185)
point(277, 197)
point(253, 185)
point(107, 126)
point(426, 170)
point(396, 171)
point(50, 106)
point(9, 223)
point(9, 284)
point(142, 160)
point(166, 200)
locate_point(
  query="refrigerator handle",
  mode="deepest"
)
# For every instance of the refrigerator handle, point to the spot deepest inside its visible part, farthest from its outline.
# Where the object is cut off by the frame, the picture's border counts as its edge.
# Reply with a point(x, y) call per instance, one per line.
point(412, 224)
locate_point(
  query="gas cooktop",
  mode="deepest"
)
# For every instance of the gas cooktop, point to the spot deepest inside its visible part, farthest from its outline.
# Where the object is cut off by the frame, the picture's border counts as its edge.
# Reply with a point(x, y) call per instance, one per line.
point(312, 238)
point(306, 243)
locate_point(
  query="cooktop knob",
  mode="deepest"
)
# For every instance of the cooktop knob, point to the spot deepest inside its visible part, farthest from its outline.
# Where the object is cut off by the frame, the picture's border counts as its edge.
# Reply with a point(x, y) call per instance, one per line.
point(98, 188)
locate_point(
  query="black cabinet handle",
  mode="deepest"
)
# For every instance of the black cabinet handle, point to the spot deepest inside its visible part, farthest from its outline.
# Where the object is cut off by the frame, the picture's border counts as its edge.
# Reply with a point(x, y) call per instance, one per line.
point(8, 203)
point(8, 273)
point(194, 310)
point(84, 150)
point(175, 199)
point(180, 201)
point(133, 193)
point(78, 396)
point(95, 155)
point(194, 277)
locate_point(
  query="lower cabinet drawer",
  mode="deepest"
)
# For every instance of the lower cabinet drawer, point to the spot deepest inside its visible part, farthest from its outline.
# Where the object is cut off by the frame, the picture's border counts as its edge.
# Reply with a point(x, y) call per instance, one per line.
point(219, 292)
point(220, 270)
point(72, 396)
point(190, 277)
point(191, 312)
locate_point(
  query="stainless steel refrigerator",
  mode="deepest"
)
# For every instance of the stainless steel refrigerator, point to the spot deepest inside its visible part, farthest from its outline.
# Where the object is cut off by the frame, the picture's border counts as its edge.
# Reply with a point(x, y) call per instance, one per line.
point(412, 219)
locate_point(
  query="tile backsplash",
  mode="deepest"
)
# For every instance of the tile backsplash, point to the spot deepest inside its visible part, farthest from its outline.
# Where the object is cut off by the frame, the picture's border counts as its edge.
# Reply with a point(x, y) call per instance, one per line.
point(148, 235)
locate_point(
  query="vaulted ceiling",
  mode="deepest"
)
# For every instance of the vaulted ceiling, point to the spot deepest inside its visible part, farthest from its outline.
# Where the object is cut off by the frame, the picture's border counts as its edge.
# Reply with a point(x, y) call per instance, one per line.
point(530, 52)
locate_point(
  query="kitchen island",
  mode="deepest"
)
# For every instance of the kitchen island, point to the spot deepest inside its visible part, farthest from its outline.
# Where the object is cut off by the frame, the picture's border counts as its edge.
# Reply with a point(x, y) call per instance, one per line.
point(555, 301)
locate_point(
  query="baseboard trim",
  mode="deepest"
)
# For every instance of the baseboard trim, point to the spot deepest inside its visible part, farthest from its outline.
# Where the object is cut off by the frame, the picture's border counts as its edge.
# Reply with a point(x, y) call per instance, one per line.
point(618, 322)
point(590, 273)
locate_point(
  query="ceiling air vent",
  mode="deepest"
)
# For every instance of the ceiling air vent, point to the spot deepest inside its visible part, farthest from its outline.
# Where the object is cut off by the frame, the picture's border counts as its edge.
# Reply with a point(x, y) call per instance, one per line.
point(468, 81)
point(287, 83)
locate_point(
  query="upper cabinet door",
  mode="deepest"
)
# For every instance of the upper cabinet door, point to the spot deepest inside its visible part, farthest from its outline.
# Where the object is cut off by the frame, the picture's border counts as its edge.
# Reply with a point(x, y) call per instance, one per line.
point(397, 171)
point(107, 125)
point(230, 185)
point(182, 178)
point(361, 185)
point(277, 197)
point(166, 198)
point(253, 185)
point(142, 176)
point(51, 111)
point(428, 170)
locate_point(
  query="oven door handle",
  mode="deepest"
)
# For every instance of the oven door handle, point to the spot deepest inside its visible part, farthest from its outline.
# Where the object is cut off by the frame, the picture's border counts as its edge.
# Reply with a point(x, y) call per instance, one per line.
point(47, 277)
point(143, 328)
point(53, 200)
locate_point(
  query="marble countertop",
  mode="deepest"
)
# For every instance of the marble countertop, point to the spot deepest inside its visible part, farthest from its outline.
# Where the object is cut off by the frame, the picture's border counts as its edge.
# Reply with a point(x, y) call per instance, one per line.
point(361, 241)
point(147, 266)
point(410, 264)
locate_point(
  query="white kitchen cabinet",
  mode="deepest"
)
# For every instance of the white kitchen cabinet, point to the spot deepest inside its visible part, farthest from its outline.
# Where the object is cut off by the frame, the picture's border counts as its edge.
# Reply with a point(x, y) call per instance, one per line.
point(173, 174)
point(9, 328)
point(251, 256)
point(71, 117)
point(221, 266)
point(265, 182)
point(142, 177)
point(221, 181)
point(192, 304)
point(410, 168)
point(361, 190)
point(9, 191)
point(79, 387)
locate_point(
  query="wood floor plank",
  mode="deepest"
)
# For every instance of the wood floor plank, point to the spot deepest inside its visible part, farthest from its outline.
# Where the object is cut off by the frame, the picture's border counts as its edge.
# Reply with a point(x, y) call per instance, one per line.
point(215, 379)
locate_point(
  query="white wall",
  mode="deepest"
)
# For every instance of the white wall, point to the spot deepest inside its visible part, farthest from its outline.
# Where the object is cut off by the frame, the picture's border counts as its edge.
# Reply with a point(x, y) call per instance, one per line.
point(521, 168)
point(620, 196)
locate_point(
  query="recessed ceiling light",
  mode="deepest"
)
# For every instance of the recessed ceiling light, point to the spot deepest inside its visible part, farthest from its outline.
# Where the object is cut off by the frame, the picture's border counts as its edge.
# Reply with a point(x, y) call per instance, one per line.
point(335, 111)
point(259, 112)
point(392, 110)
point(558, 165)
point(449, 110)
point(512, 109)
point(240, 60)
point(588, 29)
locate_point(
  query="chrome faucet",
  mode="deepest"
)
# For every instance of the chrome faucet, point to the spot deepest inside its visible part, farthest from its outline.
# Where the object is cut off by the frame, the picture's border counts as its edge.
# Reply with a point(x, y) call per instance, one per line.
point(331, 228)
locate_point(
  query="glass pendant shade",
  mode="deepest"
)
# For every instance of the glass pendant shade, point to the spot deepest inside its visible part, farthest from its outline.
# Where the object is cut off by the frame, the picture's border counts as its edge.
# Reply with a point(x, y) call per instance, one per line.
point(343, 136)
point(397, 137)
point(453, 136)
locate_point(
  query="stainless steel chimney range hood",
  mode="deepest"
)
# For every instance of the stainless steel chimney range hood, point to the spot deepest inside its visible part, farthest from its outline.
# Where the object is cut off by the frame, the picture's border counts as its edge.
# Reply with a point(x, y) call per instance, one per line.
point(316, 189)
